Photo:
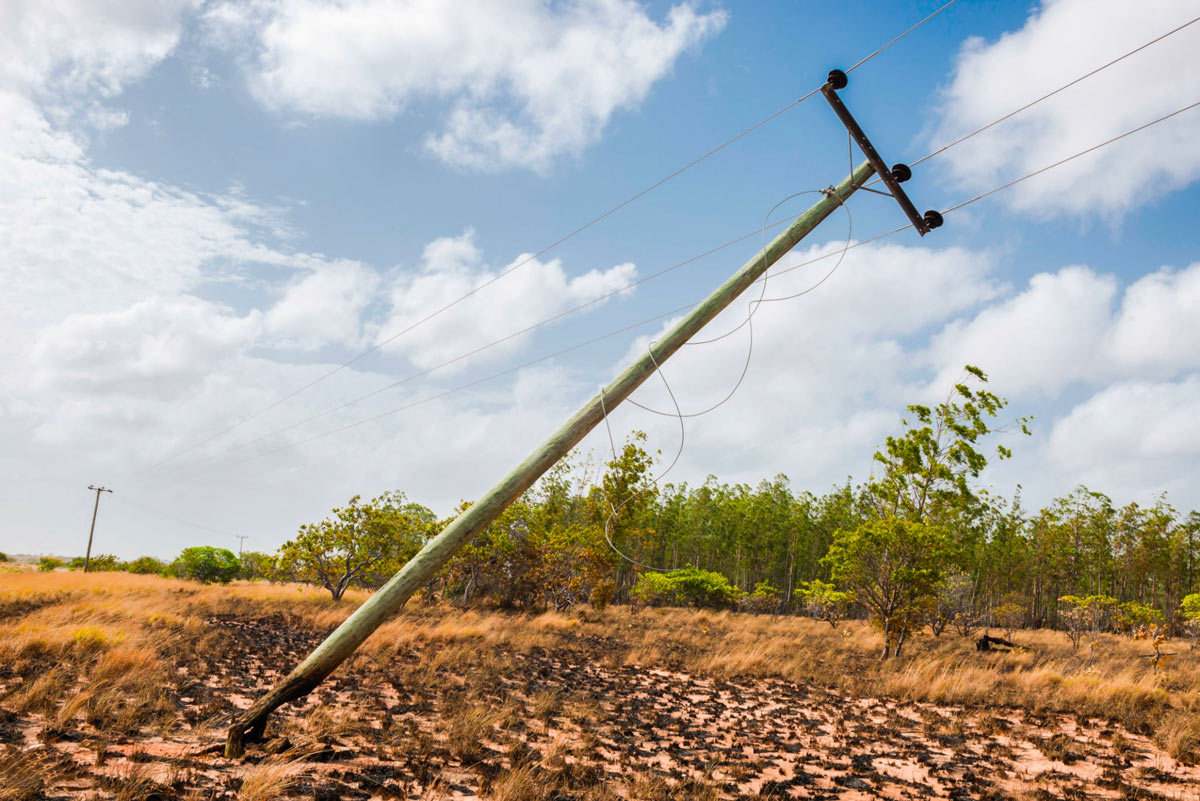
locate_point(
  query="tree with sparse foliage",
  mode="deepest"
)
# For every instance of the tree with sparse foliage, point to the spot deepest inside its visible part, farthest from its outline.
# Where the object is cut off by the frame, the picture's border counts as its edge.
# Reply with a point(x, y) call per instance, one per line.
point(823, 601)
point(1088, 614)
point(1189, 608)
point(928, 470)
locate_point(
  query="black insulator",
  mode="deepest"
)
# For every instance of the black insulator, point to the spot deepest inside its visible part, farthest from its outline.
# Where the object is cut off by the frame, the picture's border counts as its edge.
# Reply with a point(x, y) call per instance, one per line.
point(933, 219)
point(837, 79)
point(901, 173)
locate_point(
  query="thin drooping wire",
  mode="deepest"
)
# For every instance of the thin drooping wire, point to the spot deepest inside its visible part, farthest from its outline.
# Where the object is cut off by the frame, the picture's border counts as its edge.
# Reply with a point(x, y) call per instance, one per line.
point(539, 253)
point(754, 305)
point(1048, 95)
point(751, 309)
point(615, 510)
point(122, 498)
point(652, 276)
point(692, 305)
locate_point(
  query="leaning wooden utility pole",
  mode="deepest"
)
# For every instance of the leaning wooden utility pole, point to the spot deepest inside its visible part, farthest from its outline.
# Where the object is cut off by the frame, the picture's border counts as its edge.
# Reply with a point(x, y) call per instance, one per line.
point(422, 567)
point(87, 560)
point(388, 599)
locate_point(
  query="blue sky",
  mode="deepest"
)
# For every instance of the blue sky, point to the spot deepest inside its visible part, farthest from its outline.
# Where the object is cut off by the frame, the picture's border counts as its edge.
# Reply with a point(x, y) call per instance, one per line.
point(207, 204)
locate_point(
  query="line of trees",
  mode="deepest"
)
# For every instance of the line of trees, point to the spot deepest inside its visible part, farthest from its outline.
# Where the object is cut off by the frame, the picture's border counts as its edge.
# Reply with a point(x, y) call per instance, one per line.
point(918, 544)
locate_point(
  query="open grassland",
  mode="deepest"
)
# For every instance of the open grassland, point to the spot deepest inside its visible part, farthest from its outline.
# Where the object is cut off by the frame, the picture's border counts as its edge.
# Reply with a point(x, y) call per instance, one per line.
point(114, 686)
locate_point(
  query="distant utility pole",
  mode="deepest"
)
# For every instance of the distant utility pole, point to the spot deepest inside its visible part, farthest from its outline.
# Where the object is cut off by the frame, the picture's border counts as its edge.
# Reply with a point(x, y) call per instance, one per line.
point(87, 560)
point(241, 538)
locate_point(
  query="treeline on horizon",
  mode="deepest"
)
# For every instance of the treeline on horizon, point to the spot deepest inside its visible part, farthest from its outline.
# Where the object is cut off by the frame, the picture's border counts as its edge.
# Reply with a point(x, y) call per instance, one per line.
point(917, 544)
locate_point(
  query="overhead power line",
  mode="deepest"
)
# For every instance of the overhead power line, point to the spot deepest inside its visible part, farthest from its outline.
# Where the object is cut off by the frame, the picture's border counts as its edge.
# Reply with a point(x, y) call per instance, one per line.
point(446, 307)
point(171, 517)
point(680, 309)
point(626, 287)
point(1048, 95)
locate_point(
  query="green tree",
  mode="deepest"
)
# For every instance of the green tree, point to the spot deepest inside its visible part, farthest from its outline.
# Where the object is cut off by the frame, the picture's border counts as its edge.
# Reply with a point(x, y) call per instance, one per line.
point(927, 470)
point(1189, 609)
point(256, 565)
point(1132, 616)
point(892, 568)
point(361, 543)
point(105, 563)
point(823, 601)
point(48, 563)
point(206, 564)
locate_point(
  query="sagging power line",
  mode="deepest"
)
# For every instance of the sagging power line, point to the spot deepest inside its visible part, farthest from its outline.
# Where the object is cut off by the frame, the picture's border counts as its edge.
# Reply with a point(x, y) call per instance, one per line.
point(508, 271)
point(653, 276)
point(681, 309)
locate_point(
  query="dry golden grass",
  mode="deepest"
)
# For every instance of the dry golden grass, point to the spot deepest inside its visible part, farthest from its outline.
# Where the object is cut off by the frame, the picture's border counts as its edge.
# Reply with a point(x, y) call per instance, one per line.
point(269, 780)
point(99, 648)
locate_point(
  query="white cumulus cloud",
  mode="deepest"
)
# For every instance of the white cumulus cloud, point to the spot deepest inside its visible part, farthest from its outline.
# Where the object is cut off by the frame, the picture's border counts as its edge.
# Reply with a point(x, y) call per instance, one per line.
point(1062, 40)
point(527, 81)
point(452, 267)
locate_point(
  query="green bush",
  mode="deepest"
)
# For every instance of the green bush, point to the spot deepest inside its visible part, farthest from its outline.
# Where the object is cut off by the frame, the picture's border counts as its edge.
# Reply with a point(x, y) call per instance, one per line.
point(691, 585)
point(4, 557)
point(76, 563)
point(654, 589)
point(206, 564)
point(49, 563)
point(104, 563)
point(146, 565)
point(703, 588)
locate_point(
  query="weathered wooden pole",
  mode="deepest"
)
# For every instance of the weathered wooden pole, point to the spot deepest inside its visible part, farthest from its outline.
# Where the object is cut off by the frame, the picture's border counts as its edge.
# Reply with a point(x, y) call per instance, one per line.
point(389, 598)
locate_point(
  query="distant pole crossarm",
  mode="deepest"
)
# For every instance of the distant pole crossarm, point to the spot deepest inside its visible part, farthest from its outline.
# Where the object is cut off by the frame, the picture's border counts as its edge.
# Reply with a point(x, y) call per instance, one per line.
point(87, 560)
point(339, 645)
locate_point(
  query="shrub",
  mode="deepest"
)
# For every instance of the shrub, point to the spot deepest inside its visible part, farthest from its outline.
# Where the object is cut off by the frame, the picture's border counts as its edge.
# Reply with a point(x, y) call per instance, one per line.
point(4, 557)
point(49, 563)
point(764, 598)
point(206, 564)
point(654, 589)
point(258, 565)
point(1132, 616)
point(105, 563)
point(145, 565)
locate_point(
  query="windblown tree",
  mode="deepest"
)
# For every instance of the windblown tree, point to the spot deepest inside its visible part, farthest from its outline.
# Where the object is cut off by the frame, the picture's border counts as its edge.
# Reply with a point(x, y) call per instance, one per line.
point(894, 565)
